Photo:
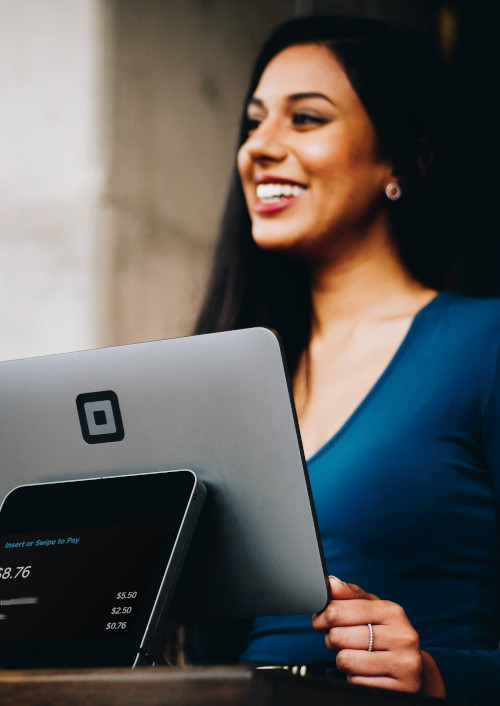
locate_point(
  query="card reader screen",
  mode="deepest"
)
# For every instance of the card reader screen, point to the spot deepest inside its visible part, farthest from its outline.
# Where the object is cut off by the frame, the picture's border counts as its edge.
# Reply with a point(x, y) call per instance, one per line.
point(77, 583)
point(88, 568)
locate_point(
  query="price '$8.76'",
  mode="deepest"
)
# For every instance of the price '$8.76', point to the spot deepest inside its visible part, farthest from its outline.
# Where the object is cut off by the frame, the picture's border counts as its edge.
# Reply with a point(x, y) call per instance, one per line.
point(17, 572)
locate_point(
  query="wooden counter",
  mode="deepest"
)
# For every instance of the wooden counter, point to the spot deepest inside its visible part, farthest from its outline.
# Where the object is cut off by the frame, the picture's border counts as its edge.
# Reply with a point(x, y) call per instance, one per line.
point(192, 686)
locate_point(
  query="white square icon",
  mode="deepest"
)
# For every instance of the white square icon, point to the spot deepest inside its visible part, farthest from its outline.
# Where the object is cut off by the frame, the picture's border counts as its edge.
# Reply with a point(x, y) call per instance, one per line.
point(100, 418)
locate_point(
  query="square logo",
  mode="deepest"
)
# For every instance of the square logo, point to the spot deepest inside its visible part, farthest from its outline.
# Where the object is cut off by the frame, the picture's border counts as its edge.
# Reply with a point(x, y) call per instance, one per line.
point(100, 418)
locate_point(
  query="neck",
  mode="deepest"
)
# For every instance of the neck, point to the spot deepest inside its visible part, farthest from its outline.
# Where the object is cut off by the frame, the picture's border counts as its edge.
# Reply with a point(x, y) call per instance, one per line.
point(368, 282)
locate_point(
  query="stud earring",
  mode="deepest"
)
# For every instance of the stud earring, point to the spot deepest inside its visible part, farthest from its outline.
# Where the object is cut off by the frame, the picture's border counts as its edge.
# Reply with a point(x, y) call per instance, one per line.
point(393, 191)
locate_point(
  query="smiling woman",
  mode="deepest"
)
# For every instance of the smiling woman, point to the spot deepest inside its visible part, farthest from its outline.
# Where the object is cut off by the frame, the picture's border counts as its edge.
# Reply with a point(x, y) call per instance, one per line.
point(339, 233)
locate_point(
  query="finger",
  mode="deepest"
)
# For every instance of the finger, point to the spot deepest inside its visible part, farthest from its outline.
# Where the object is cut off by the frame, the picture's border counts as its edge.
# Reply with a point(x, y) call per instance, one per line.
point(357, 638)
point(364, 663)
point(384, 639)
point(342, 590)
point(381, 682)
point(357, 612)
point(405, 668)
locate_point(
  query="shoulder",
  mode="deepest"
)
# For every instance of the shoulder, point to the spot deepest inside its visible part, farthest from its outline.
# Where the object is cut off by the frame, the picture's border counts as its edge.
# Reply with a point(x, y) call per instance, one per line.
point(461, 331)
point(468, 305)
point(468, 314)
point(463, 338)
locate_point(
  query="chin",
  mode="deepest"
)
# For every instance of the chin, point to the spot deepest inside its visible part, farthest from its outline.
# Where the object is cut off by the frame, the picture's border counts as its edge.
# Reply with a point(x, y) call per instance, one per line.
point(274, 245)
point(301, 246)
point(269, 239)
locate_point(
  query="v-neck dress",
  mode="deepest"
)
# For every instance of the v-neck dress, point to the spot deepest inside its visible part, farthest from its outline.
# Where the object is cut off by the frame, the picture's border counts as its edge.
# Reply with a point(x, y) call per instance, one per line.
point(406, 495)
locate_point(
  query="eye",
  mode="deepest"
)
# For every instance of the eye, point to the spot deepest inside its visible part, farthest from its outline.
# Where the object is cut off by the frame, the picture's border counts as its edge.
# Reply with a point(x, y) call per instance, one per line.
point(251, 124)
point(306, 119)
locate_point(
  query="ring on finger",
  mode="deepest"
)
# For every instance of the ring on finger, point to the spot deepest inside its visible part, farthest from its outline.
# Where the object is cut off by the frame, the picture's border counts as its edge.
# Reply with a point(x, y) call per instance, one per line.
point(370, 638)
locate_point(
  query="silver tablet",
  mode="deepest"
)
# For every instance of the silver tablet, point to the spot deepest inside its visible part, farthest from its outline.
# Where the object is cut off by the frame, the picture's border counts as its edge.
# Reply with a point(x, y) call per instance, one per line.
point(218, 404)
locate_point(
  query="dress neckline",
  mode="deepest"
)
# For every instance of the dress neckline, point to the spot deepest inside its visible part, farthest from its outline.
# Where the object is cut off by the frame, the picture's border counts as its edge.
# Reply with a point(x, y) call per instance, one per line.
point(380, 380)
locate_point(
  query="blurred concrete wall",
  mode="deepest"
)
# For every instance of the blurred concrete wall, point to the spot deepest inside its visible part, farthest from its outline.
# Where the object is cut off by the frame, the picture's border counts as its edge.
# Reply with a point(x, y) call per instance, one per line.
point(50, 174)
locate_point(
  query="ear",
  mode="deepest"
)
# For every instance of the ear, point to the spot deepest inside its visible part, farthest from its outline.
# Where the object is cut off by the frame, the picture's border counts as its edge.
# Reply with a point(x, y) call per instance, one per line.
point(391, 172)
point(424, 157)
point(394, 176)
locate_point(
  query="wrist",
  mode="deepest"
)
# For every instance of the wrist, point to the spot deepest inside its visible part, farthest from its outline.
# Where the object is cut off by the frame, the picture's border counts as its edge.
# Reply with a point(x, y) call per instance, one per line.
point(432, 681)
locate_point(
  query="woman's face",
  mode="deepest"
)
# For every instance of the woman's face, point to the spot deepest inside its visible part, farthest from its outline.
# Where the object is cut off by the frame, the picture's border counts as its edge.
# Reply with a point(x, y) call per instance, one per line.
point(309, 168)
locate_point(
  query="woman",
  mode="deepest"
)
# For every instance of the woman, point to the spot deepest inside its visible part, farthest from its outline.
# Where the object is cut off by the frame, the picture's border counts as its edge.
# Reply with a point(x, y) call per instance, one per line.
point(338, 234)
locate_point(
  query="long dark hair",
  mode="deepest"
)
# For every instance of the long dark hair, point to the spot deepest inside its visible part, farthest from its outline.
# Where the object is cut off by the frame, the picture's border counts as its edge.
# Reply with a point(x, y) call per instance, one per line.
point(406, 92)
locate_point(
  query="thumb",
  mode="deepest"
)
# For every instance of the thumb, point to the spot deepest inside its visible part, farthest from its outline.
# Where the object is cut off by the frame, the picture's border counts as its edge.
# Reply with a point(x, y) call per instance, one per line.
point(347, 591)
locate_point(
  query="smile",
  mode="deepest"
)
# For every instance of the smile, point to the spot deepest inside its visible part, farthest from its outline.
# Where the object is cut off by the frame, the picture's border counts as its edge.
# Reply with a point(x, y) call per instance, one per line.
point(274, 192)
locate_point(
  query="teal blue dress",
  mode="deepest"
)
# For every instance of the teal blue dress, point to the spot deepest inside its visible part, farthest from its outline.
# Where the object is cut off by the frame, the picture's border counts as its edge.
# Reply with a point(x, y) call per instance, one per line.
point(407, 499)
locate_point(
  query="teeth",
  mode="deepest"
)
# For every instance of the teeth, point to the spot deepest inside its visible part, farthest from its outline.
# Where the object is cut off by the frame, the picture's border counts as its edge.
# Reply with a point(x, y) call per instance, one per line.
point(274, 191)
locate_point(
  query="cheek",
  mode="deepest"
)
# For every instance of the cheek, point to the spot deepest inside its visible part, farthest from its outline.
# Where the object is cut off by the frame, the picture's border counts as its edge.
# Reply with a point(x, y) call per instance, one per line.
point(244, 171)
point(325, 163)
point(243, 163)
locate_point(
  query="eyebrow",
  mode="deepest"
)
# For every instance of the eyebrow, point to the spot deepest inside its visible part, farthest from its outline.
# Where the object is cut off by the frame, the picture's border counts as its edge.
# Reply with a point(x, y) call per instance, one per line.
point(294, 97)
point(309, 94)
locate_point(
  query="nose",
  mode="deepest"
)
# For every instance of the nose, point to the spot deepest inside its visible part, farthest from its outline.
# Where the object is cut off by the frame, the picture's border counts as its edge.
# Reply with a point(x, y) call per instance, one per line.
point(266, 143)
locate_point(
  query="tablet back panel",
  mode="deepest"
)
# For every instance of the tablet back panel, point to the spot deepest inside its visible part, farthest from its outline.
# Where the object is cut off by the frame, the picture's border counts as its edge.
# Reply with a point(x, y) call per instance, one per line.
point(218, 404)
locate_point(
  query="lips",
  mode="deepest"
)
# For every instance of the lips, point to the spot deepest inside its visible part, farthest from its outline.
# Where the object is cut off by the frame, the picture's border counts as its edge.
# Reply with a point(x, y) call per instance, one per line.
point(275, 194)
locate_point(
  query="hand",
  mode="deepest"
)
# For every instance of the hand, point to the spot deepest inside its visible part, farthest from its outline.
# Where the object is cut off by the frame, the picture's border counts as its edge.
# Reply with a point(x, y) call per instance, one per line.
point(396, 661)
